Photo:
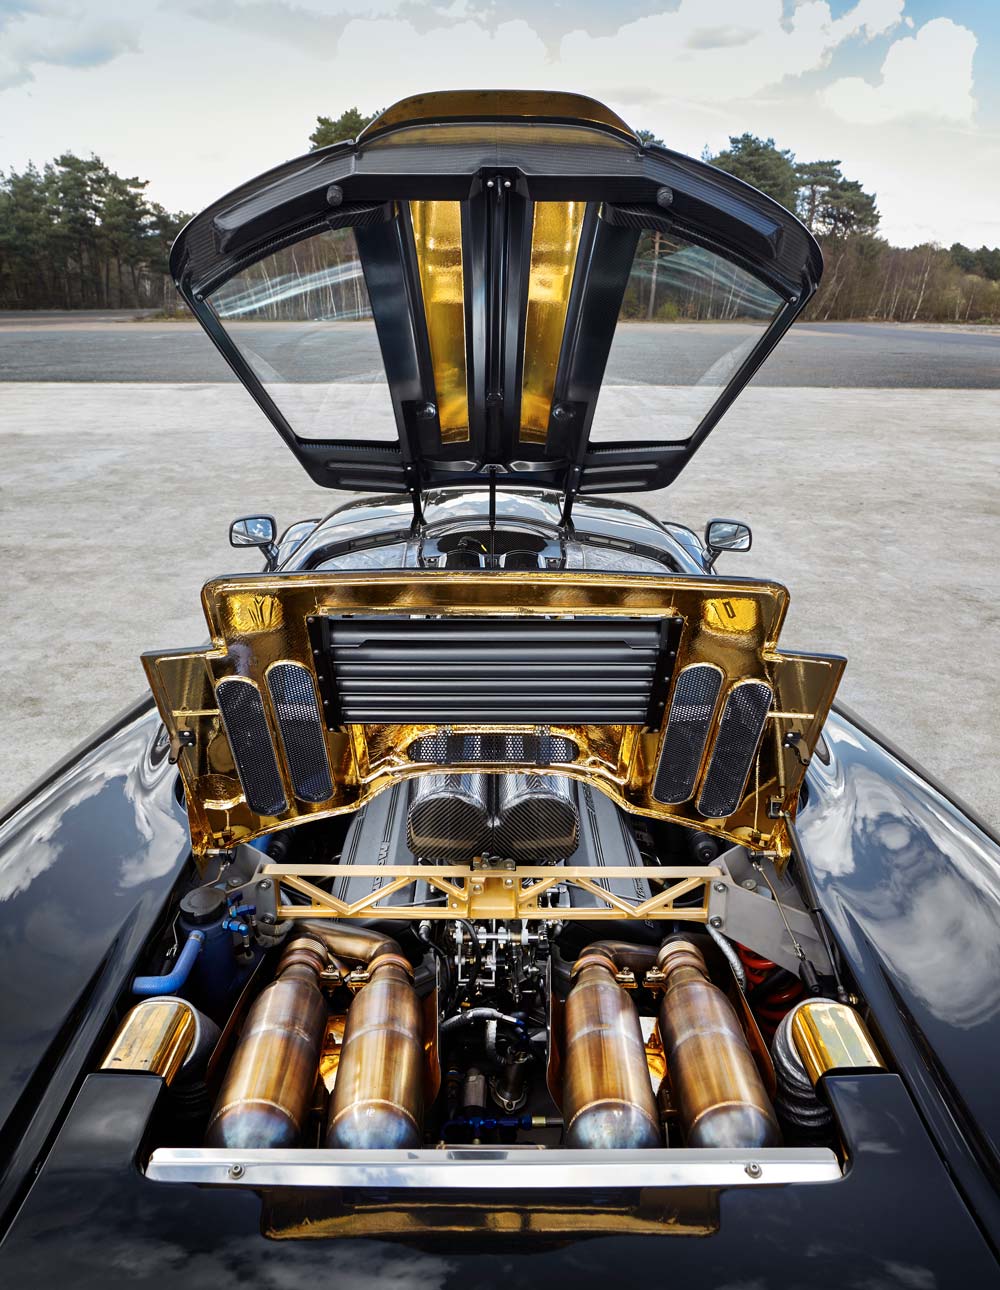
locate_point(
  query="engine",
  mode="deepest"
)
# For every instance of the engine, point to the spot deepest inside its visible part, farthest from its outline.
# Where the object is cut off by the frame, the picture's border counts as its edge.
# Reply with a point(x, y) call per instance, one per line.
point(578, 1030)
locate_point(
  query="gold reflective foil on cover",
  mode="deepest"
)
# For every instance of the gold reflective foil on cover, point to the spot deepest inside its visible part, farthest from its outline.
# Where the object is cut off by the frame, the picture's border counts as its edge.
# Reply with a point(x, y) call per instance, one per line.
point(831, 1036)
point(472, 105)
point(437, 235)
point(156, 1036)
point(256, 620)
point(555, 240)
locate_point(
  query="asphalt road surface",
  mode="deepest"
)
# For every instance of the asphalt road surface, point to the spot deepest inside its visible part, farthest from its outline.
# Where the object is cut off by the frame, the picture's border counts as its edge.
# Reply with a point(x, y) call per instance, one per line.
point(109, 347)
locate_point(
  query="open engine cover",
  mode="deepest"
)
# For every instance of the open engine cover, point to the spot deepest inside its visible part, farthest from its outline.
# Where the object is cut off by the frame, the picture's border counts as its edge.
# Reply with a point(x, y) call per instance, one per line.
point(669, 692)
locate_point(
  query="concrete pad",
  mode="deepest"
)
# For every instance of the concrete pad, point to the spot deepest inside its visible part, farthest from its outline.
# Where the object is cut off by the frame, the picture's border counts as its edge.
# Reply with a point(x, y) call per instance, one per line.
point(879, 509)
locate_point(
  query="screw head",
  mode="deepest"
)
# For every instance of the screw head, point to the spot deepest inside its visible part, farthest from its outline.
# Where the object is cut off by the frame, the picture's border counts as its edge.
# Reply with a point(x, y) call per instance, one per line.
point(236, 1171)
point(264, 885)
point(750, 884)
point(268, 919)
point(508, 882)
point(715, 922)
point(753, 1169)
point(718, 886)
point(489, 183)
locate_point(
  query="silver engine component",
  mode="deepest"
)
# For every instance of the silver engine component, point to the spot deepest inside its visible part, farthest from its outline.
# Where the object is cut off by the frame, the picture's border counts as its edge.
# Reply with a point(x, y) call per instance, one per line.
point(537, 820)
point(449, 817)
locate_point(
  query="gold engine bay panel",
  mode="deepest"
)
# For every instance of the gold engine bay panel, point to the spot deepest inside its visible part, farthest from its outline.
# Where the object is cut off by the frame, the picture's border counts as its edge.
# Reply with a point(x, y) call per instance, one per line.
point(259, 621)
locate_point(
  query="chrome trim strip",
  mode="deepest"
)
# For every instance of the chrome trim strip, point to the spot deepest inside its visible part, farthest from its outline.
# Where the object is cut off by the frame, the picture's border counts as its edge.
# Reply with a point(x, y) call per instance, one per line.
point(494, 1168)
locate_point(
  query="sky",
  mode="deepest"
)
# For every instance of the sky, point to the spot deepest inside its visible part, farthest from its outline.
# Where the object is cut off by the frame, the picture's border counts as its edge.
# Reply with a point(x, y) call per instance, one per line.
point(198, 95)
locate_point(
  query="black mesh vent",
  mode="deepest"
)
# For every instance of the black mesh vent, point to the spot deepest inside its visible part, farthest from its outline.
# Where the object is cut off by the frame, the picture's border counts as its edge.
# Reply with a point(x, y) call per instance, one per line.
point(445, 749)
point(243, 716)
point(301, 731)
point(688, 723)
point(739, 734)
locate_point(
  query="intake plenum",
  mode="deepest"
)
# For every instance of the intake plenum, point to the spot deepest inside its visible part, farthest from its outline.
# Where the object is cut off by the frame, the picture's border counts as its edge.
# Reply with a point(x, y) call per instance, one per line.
point(719, 1092)
point(537, 820)
point(607, 1095)
point(449, 817)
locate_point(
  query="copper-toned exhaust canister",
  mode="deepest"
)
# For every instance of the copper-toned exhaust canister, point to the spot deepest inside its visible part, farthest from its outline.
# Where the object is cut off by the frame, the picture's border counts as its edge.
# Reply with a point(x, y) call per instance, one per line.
point(607, 1095)
point(718, 1090)
point(265, 1096)
point(378, 1097)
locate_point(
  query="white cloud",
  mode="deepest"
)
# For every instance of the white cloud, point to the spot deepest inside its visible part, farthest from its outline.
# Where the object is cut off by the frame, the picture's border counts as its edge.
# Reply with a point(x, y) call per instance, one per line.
point(928, 74)
point(693, 71)
point(35, 33)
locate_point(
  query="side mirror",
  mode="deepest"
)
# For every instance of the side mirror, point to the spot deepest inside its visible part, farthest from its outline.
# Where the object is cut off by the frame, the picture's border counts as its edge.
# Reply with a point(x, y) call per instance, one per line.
point(726, 535)
point(256, 530)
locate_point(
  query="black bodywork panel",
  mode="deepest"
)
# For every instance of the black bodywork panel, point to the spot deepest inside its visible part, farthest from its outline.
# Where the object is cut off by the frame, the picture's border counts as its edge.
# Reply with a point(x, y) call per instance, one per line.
point(92, 1221)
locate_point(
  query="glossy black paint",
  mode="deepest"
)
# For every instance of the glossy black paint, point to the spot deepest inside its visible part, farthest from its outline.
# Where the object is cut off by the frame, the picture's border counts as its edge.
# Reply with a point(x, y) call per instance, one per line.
point(895, 1220)
point(87, 864)
point(910, 885)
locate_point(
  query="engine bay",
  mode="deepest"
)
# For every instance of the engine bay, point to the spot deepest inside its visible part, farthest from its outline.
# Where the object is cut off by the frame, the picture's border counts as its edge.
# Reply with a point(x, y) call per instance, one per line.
point(586, 1031)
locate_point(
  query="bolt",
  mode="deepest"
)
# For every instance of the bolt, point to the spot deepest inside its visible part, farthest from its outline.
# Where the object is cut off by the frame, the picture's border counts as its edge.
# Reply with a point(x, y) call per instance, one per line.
point(477, 887)
point(750, 884)
point(264, 885)
point(268, 919)
point(236, 1171)
point(718, 886)
point(753, 1169)
point(508, 882)
point(715, 922)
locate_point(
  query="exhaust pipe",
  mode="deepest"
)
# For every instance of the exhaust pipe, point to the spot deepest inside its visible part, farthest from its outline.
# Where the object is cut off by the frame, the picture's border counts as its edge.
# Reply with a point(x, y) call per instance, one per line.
point(264, 1098)
point(720, 1095)
point(378, 1099)
point(607, 1096)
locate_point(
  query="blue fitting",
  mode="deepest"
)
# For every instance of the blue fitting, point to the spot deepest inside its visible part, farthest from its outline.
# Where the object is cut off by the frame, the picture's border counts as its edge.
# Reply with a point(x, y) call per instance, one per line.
point(171, 982)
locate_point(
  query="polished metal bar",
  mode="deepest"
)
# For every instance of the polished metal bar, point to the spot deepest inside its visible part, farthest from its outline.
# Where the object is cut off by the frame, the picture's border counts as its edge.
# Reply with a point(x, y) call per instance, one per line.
point(495, 1168)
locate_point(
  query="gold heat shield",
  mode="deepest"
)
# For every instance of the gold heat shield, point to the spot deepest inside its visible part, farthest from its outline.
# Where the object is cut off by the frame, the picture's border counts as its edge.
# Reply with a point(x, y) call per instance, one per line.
point(437, 237)
point(258, 621)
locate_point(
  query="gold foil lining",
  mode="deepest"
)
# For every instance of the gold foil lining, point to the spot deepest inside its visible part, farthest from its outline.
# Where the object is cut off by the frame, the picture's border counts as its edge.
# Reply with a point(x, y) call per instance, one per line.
point(437, 234)
point(365, 759)
point(831, 1036)
point(155, 1036)
point(471, 104)
point(555, 240)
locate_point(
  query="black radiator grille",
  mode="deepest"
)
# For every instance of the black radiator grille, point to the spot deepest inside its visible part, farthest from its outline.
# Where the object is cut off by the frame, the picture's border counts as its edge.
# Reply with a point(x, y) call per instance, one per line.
point(249, 738)
point(692, 708)
point(575, 671)
point(740, 729)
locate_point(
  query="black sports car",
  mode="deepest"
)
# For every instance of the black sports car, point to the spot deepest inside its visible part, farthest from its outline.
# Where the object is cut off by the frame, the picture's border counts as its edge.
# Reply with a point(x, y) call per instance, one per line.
point(491, 901)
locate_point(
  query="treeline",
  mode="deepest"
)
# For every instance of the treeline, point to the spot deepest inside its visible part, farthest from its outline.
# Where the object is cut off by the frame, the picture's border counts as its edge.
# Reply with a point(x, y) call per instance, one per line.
point(866, 277)
point(76, 235)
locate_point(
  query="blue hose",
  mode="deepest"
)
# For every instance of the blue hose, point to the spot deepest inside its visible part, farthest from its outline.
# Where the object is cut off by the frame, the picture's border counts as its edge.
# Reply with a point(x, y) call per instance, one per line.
point(171, 982)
